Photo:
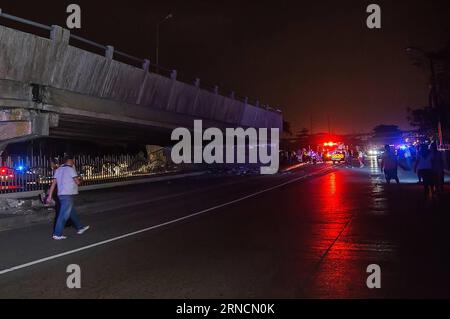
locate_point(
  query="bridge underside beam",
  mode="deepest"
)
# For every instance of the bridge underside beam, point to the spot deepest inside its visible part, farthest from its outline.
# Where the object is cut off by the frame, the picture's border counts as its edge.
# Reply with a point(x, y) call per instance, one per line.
point(86, 128)
point(10, 130)
point(17, 126)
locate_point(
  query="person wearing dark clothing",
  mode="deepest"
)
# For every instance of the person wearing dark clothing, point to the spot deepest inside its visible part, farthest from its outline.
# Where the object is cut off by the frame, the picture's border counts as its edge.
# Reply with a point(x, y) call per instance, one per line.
point(417, 156)
point(407, 155)
point(424, 168)
point(389, 164)
point(438, 169)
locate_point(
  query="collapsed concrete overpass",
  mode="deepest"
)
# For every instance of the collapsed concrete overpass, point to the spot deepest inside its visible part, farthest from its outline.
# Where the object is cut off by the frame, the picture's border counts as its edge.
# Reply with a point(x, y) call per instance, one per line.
point(49, 87)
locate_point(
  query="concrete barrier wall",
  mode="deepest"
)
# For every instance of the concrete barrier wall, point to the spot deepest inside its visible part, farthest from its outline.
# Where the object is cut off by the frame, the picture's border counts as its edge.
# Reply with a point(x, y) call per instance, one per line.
point(32, 59)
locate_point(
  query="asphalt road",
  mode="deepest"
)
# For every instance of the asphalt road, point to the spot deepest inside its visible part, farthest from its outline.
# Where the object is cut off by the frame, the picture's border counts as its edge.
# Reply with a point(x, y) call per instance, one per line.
point(310, 233)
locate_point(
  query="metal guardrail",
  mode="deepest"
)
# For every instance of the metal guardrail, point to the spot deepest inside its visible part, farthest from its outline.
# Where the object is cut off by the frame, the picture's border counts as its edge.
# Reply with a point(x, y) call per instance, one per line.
point(25, 21)
point(115, 52)
point(94, 44)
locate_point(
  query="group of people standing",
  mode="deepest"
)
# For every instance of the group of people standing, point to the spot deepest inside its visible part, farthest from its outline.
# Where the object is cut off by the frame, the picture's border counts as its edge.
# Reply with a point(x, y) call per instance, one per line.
point(320, 155)
point(429, 167)
point(351, 154)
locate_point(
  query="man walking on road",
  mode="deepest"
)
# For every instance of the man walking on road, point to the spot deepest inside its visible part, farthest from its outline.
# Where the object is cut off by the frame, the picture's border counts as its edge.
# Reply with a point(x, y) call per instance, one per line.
point(67, 180)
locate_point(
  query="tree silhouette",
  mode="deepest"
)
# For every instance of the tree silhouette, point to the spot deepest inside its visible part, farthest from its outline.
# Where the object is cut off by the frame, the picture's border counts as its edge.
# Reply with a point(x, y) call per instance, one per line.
point(424, 119)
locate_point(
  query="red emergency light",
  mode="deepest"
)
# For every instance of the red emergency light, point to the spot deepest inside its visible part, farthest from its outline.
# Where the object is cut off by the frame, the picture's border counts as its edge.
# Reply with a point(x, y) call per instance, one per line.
point(329, 144)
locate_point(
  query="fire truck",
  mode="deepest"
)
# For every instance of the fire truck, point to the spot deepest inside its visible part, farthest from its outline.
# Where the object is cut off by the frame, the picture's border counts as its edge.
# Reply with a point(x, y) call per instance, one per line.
point(333, 152)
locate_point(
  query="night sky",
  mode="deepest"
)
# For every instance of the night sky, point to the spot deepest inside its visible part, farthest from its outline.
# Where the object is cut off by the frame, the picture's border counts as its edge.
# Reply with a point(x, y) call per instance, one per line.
point(311, 58)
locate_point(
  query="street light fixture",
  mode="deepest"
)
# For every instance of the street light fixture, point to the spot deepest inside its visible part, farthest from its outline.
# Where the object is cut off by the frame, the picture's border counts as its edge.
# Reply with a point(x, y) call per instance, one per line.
point(434, 86)
point(169, 16)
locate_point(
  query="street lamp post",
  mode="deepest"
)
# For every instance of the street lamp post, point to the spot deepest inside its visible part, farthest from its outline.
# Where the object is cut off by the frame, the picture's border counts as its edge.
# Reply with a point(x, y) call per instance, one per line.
point(169, 16)
point(434, 87)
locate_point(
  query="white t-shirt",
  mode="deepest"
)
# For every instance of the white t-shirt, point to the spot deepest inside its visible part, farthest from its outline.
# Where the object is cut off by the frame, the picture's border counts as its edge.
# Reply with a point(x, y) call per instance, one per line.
point(64, 176)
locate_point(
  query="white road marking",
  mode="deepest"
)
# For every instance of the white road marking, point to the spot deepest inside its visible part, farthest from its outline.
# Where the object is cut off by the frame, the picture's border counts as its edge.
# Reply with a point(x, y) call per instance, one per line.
point(104, 242)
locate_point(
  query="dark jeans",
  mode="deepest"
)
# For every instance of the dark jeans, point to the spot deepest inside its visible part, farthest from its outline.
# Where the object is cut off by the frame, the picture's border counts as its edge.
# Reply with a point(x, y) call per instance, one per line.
point(439, 181)
point(69, 222)
point(391, 174)
point(67, 211)
point(428, 179)
point(57, 210)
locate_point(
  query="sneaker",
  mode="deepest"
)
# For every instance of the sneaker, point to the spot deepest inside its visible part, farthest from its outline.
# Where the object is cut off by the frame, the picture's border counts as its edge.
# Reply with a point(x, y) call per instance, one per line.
point(82, 230)
point(59, 237)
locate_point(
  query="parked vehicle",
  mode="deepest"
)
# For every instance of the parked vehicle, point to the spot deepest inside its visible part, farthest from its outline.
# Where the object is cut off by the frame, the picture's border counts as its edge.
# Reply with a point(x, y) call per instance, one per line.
point(6, 174)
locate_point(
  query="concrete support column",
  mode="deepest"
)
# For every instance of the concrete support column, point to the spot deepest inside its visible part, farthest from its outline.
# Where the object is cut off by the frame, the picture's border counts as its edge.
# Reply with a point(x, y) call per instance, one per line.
point(197, 85)
point(109, 53)
point(14, 129)
point(60, 35)
point(173, 75)
point(59, 42)
point(145, 68)
point(146, 65)
point(2, 147)
point(109, 56)
point(19, 125)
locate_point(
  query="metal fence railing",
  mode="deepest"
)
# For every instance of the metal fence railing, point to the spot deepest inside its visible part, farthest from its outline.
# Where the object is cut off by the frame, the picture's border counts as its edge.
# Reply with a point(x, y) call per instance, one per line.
point(31, 173)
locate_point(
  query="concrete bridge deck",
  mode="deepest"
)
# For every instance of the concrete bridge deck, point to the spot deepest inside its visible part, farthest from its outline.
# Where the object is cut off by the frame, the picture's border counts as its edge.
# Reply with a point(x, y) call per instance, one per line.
point(49, 87)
